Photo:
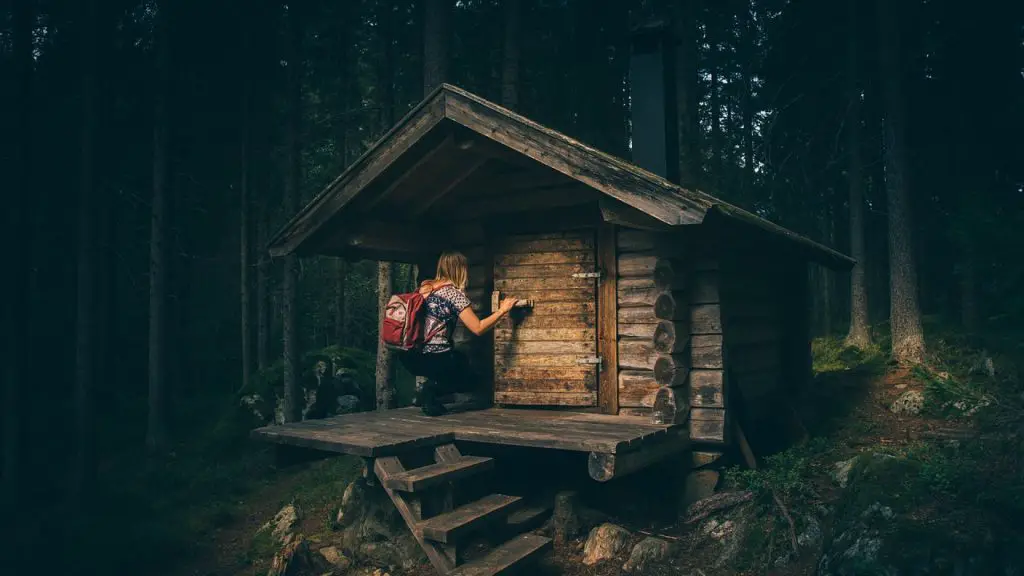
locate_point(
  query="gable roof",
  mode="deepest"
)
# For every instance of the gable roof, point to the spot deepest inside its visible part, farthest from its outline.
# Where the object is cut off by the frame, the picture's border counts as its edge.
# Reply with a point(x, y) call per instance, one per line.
point(658, 198)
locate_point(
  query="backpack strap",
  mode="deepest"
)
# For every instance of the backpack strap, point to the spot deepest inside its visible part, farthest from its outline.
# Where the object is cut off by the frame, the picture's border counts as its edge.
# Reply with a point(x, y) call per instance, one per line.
point(428, 286)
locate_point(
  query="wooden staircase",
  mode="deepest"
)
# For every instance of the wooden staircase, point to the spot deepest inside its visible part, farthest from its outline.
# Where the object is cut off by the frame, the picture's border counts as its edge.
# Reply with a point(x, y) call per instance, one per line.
point(425, 497)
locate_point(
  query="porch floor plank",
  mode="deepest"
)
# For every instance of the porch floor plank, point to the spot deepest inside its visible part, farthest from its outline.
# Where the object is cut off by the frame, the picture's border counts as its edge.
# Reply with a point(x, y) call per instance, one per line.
point(375, 434)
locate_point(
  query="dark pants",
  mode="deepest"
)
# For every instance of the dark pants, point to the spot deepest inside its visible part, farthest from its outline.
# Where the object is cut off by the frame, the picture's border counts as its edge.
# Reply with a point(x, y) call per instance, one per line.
point(450, 371)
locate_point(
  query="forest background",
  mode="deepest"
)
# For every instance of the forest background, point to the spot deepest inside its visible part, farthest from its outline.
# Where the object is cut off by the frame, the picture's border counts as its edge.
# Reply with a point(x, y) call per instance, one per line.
point(149, 148)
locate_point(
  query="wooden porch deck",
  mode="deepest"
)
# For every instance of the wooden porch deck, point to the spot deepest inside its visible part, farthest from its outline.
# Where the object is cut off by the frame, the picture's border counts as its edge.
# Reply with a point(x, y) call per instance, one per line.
point(428, 497)
point(391, 432)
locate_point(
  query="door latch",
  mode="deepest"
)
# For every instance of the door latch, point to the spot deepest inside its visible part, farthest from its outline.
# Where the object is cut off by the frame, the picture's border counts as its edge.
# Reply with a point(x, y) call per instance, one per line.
point(591, 361)
point(587, 274)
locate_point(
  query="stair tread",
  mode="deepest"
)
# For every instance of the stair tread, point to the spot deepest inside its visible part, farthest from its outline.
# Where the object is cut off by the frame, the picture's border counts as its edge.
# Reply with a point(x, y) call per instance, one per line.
point(509, 554)
point(419, 479)
point(448, 527)
point(528, 515)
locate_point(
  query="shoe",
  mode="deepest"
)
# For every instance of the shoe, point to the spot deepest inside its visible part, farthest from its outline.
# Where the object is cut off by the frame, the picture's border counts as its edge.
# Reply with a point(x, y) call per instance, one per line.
point(430, 402)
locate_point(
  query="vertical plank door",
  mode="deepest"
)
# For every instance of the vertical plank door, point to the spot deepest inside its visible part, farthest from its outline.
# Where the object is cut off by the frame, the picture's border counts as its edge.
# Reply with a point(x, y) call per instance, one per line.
point(543, 356)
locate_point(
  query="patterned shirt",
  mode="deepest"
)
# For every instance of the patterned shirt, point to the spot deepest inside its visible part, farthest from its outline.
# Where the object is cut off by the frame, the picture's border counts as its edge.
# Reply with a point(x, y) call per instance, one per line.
point(443, 307)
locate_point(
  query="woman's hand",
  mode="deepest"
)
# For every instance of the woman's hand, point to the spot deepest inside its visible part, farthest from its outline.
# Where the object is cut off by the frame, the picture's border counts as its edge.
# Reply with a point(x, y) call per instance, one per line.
point(507, 304)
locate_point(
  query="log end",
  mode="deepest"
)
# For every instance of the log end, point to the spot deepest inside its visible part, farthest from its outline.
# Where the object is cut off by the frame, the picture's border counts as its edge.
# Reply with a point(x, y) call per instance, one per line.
point(601, 466)
point(669, 274)
point(671, 407)
point(671, 337)
point(672, 370)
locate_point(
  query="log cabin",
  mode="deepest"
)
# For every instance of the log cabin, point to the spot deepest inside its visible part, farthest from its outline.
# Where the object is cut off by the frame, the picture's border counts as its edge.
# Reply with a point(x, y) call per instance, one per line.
point(661, 317)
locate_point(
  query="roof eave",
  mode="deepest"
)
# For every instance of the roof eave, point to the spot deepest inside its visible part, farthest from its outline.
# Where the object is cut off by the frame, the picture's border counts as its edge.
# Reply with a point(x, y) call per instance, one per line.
point(285, 242)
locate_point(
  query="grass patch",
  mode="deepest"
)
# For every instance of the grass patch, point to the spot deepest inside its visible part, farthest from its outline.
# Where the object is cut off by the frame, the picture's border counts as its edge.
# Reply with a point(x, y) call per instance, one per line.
point(792, 476)
point(831, 354)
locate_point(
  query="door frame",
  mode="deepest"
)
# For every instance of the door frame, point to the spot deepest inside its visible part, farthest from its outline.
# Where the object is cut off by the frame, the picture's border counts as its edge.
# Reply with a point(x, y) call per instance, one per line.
point(607, 318)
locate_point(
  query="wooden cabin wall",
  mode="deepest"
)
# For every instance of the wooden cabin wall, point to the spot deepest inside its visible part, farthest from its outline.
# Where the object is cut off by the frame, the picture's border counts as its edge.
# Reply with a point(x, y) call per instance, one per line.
point(751, 298)
point(653, 325)
point(709, 386)
point(767, 340)
point(795, 339)
point(635, 256)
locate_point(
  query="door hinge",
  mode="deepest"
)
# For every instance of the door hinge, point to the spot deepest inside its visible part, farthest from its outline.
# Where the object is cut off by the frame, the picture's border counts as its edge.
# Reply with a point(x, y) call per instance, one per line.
point(591, 361)
point(587, 274)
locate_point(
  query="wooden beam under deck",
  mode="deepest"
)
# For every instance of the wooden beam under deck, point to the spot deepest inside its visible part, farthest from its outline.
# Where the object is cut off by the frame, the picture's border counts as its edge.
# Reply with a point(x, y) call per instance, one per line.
point(604, 467)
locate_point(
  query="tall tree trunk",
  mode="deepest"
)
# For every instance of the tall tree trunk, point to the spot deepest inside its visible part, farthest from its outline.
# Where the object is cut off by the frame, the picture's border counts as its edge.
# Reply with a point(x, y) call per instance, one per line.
point(292, 402)
point(435, 43)
point(262, 295)
point(877, 269)
point(826, 274)
point(340, 264)
point(510, 57)
point(716, 121)
point(859, 335)
point(385, 372)
point(385, 369)
point(16, 304)
point(245, 253)
point(969, 314)
point(340, 303)
point(905, 313)
point(156, 434)
point(85, 356)
point(262, 23)
point(750, 47)
point(684, 18)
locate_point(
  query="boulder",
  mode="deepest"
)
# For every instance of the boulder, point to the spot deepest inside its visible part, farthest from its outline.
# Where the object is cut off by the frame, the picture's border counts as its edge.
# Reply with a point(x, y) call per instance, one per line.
point(910, 403)
point(719, 530)
point(348, 404)
point(879, 527)
point(283, 524)
point(255, 405)
point(605, 542)
point(372, 530)
point(295, 559)
point(335, 558)
point(566, 523)
point(841, 471)
point(647, 551)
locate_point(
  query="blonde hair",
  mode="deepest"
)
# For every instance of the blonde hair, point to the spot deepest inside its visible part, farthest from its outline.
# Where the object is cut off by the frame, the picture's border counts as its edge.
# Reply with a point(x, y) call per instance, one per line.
point(452, 266)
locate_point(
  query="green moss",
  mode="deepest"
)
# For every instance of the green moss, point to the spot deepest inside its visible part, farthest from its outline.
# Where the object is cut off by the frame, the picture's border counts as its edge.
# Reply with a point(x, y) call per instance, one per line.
point(261, 548)
point(831, 354)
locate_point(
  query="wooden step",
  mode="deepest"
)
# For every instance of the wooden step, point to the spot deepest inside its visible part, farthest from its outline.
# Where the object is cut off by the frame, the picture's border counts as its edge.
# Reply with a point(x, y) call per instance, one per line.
point(420, 479)
point(520, 549)
point(528, 518)
point(448, 527)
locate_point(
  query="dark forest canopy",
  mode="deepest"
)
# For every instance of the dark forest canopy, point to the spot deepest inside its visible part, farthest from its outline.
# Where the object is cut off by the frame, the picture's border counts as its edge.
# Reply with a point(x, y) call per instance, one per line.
point(138, 137)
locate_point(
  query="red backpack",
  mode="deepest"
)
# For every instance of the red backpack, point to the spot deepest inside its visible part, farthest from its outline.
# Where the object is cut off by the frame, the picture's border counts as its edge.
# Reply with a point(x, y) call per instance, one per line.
point(403, 327)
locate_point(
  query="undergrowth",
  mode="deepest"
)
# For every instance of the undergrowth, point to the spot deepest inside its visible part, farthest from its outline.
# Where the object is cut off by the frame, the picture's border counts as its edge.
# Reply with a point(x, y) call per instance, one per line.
point(831, 354)
point(170, 505)
point(785, 488)
point(970, 488)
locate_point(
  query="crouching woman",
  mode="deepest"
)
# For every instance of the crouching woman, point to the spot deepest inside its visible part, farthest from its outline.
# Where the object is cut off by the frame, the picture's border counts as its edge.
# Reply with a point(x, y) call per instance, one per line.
point(447, 371)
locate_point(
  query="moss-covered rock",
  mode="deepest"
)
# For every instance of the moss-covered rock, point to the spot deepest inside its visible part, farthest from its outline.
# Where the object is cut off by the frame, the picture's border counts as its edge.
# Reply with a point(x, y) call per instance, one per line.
point(886, 524)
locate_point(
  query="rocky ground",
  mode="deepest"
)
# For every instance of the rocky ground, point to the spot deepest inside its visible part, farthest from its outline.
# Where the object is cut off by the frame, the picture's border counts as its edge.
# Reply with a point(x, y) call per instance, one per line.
point(905, 472)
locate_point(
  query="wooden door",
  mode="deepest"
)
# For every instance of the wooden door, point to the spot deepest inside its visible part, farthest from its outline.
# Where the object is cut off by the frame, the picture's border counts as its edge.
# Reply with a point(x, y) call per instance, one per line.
point(546, 355)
